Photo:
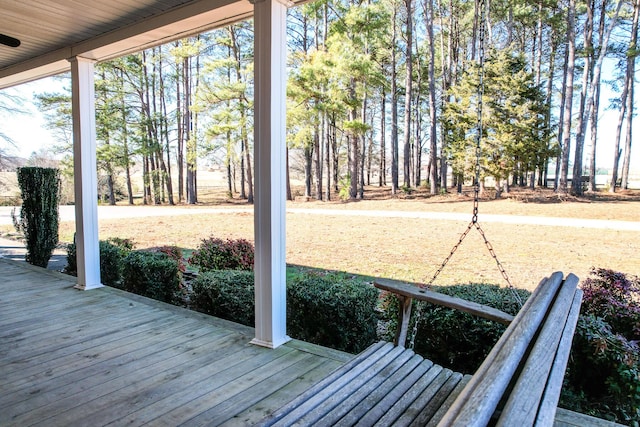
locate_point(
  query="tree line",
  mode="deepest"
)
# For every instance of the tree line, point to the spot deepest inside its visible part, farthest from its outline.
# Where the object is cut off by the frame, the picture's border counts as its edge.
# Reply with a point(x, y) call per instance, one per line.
point(380, 93)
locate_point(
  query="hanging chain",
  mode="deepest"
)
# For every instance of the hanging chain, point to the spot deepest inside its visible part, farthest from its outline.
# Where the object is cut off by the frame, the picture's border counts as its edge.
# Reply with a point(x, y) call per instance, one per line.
point(418, 317)
point(476, 189)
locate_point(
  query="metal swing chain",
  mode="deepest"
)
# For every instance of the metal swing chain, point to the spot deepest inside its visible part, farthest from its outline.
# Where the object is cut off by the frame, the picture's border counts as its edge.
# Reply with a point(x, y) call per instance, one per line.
point(476, 190)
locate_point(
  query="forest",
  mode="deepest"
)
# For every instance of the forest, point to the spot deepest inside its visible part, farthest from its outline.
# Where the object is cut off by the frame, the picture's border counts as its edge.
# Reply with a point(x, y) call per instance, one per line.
point(380, 92)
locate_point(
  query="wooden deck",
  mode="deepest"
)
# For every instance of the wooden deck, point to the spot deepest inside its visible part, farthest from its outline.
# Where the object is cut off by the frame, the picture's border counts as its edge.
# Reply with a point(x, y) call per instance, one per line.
point(106, 357)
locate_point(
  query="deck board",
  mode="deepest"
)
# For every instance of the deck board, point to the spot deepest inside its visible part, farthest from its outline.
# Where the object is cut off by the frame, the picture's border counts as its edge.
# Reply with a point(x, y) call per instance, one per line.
point(106, 357)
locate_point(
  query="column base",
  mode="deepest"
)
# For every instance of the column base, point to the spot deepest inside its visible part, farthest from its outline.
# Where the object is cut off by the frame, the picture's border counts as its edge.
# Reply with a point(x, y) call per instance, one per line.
point(269, 344)
point(88, 287)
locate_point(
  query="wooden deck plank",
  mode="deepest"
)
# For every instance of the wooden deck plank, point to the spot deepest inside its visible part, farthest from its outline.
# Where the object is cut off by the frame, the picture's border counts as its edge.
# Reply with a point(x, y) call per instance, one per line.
point(216, 406)
point(64, 392)
point(108, 397)
point(170, 393)
point(257, 412)
point(105, 356)
point(78, 338)
point(90, 362)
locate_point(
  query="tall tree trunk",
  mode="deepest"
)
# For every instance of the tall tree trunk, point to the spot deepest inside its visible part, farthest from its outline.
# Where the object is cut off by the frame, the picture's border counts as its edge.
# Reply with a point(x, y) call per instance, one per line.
point(327, 150)
point(363, 151)
point(395, 185)
point(382, 176)
point(433, 141)
point(408, 94)
point(568, 97)
point(308, 159)
point(624, 180)
point(180, 130)
point(597, 70)
point(317, 161)
point(593, 120)
point(630, 73)
point(353, 144)
point(616, 149)
point(576, 183)
point(125, 140)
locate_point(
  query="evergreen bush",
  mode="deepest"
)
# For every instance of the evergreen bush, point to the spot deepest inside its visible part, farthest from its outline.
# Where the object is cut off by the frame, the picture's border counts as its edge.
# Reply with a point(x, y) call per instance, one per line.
point(38, 220)
point(151, 274)
point(332, 310)
point(452, 338)
point(228, 294)
point(112, 251)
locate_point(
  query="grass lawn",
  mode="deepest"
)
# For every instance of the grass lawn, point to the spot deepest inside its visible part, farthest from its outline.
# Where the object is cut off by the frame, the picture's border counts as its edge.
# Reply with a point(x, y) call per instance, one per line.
point(412, 249)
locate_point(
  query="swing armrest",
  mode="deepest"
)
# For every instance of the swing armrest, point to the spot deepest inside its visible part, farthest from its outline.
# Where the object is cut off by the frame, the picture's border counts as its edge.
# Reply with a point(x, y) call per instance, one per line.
point(408, 292)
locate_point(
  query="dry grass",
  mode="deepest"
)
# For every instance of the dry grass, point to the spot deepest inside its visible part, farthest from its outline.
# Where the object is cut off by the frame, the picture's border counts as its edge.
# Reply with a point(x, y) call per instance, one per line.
point(412, 249)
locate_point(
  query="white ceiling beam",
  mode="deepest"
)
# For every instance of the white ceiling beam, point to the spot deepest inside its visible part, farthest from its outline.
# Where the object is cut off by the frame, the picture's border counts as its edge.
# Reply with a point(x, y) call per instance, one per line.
point(192, 18)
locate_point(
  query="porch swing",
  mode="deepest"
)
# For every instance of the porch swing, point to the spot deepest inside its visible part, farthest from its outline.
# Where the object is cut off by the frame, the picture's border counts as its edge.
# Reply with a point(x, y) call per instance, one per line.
point(407, 293)
point(518, 383)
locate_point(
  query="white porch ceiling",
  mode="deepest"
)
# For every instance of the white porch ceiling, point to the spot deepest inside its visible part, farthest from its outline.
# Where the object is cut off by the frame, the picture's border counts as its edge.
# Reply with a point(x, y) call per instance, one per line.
point(51, 31)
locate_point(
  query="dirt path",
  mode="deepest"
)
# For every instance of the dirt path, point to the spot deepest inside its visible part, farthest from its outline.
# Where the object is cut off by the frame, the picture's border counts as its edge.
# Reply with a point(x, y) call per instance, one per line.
point(67, 213)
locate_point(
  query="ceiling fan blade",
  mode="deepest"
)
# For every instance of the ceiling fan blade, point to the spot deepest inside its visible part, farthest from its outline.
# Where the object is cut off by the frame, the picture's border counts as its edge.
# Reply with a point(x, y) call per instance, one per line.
point(9, 41)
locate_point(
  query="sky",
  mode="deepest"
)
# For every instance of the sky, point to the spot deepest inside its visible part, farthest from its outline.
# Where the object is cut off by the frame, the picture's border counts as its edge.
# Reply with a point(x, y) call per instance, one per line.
point(28, 129)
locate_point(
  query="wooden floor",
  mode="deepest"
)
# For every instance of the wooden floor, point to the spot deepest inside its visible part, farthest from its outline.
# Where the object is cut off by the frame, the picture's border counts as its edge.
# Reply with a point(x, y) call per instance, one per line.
point(106, 357)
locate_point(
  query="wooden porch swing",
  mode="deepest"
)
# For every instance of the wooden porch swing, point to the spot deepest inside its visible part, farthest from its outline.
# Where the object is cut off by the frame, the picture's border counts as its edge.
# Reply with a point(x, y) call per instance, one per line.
point(518, 384)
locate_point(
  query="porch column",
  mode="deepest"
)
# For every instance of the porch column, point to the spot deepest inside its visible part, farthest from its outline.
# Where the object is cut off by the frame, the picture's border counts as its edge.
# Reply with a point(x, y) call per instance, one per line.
point(84, 173)
point(270, 18)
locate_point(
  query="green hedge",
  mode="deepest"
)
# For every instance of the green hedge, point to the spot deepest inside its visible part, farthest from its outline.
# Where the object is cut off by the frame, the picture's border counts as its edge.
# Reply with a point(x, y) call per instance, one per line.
point(454, 339)
point(40, 188)
point(151, 274)
point(330, 310)
point(111, 254)
point(228, 294)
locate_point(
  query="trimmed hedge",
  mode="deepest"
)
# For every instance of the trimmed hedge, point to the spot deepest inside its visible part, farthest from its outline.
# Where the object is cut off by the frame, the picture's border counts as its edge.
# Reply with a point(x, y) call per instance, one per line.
point(332, 310)
point(151, 274)
point(228, 294)
point(112, 251)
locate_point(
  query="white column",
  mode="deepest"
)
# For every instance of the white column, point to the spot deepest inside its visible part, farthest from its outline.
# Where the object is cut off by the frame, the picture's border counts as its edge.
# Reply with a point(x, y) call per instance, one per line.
point(270, 17)
point(84, 172)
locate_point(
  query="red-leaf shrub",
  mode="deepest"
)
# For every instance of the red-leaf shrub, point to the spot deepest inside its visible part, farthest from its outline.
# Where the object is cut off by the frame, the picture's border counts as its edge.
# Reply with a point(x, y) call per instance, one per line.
point(217, 254)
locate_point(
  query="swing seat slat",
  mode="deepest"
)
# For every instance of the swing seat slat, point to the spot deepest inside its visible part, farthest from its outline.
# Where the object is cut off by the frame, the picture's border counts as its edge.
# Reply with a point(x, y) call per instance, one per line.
point(407, 293)
point(517, 384)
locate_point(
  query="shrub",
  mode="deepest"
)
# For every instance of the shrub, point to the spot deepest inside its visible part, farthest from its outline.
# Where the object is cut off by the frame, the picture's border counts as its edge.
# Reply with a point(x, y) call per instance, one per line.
point(151, 274)
point(603, 374)
point(112, 251)
point(615, 297)
point(175, 253)
point(453, 338)
point(228, 294)
point(38, 220)
point(332, 310)
point(217, 254)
